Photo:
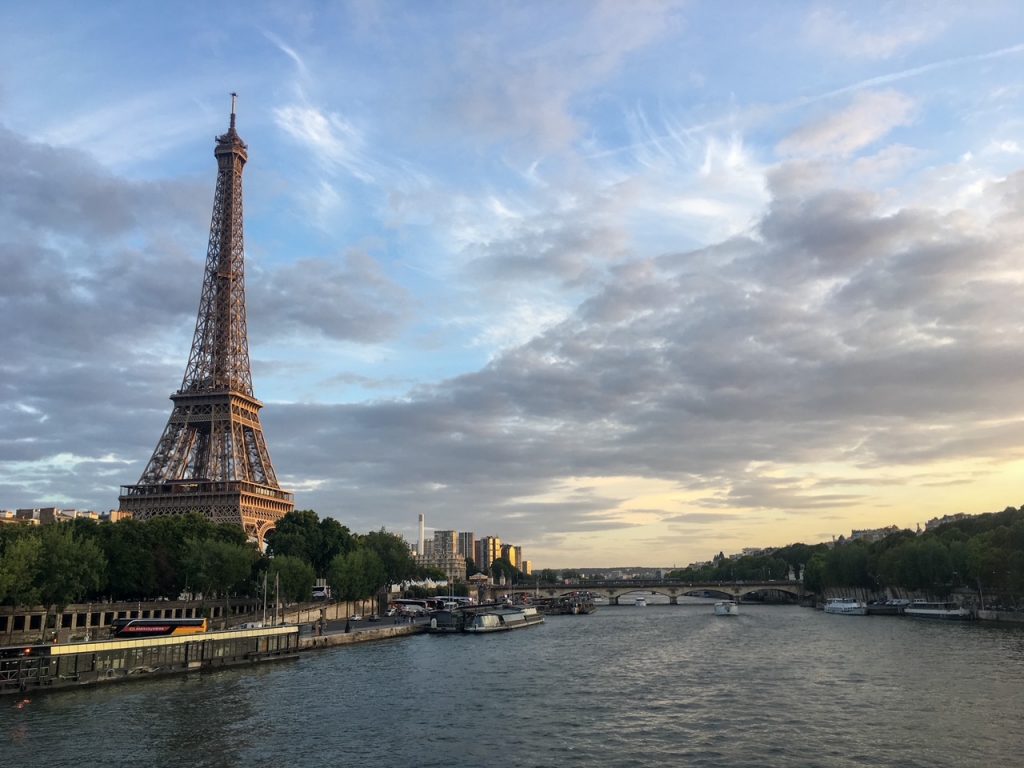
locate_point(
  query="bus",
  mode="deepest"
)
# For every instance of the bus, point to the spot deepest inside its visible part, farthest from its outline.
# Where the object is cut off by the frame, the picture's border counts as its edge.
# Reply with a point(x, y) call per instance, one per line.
point(157, 627)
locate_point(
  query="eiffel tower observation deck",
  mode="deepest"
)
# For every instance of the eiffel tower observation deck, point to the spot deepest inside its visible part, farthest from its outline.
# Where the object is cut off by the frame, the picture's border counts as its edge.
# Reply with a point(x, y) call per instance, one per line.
point(212, 458)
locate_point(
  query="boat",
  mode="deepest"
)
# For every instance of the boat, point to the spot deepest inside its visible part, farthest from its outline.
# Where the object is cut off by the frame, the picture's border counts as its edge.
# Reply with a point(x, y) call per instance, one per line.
point(922, 609)
point(892, 607)
point(446, 621)
point(502, 619)
point(640, 602)
point(572, 605)
point(727, 608)
point(140, 648)
point(846, 606)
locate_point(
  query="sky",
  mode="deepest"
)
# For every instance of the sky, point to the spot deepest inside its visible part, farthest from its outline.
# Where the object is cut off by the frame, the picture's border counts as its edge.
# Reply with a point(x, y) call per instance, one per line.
point(621, 283)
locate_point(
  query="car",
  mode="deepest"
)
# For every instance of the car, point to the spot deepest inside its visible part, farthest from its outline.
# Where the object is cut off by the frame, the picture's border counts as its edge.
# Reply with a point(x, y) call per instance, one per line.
point(391, 612)
point(355, 617)
point(373, 617)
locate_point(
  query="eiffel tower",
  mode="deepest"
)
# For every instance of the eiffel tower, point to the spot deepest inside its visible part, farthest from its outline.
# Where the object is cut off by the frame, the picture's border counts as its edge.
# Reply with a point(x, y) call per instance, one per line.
point(212, 457)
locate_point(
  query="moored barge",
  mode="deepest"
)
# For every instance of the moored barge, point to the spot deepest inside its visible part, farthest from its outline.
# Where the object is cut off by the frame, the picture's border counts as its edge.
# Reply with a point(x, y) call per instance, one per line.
point(33, 668)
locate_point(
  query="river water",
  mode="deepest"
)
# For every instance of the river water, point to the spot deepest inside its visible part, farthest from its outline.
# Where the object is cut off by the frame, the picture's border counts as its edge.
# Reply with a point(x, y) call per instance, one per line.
point(626, 686)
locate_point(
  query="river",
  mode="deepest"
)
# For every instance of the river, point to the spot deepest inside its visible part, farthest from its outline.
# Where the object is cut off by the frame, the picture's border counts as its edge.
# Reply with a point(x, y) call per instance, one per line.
point(626, 686)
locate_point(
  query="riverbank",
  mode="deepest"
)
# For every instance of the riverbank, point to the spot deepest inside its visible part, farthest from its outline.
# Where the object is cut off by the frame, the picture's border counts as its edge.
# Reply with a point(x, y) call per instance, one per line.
point(339, 638)
point(1009, 617)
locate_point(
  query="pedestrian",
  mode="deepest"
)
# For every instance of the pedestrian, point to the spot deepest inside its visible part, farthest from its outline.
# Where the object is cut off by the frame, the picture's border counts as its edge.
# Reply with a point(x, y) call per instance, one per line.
point(348, 626)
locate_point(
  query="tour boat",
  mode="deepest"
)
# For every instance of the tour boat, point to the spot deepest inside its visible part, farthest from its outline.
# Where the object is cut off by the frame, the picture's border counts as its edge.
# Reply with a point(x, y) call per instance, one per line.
point(925, 610)
point(727, 608)
point(501, 619)
point(846, 606)
point(640, 602)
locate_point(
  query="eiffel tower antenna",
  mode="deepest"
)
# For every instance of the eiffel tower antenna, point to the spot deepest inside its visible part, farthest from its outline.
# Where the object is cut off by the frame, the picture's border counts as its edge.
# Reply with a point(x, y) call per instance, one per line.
point(212, 457)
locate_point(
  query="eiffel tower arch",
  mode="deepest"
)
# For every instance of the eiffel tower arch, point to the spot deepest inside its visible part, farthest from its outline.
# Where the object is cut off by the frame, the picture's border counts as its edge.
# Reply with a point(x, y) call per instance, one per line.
point(212, 457)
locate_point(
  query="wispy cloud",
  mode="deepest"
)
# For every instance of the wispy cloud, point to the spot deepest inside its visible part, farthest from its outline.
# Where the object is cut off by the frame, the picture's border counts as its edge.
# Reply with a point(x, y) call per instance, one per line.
point(870, 117)
point(883, 36)
point(329, 137)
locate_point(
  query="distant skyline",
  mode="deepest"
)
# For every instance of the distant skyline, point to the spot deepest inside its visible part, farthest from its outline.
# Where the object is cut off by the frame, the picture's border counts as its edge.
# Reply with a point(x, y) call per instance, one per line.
point(622, 283)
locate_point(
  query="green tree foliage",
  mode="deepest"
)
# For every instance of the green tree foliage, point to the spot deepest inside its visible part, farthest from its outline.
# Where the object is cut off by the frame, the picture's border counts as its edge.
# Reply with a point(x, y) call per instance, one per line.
point(814, 572)
point(131, 566)
point(295, 576)
point(548, 576)
point(503, 568)
point(142, 560)
point(19, 567)
point(302, 534)
point(69, 567)
point(394, 555)
point(356, 575)
point(216, 567)
point(335, 539)
point(983, 552)
point(297, 534)
point(721, 569)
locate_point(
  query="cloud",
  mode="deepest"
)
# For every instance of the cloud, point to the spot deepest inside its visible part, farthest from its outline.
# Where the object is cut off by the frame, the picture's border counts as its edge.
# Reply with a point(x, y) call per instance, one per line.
point(888, 34)
point(352, 300)
point(843, 335)
point(870, 117)
point(525, 96)
point(330, 138)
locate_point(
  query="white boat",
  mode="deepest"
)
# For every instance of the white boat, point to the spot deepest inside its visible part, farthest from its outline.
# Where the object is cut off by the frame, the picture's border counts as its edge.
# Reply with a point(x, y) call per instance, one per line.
point(502, 619)
point(727, 608)
point(925, 610)
point(640, 602)
point(846, 606)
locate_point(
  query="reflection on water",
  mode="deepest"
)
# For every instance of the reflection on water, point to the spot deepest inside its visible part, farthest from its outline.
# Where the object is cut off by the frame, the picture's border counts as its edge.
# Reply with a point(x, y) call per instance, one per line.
point(627, 686)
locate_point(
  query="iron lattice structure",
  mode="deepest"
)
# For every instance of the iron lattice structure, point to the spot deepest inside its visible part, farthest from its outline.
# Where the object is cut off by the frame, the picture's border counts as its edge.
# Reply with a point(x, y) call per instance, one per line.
point(212, 457)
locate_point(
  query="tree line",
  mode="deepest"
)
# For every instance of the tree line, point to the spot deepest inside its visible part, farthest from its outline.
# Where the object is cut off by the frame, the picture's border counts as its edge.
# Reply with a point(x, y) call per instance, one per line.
point(984, 553)
point(59, 564)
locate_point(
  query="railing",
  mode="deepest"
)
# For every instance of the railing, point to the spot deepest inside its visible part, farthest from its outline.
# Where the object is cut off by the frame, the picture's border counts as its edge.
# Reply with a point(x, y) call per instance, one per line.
point(205, 486)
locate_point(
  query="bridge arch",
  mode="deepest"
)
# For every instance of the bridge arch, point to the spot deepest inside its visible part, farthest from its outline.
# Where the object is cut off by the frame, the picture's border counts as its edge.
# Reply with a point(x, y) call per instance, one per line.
point(673, 590)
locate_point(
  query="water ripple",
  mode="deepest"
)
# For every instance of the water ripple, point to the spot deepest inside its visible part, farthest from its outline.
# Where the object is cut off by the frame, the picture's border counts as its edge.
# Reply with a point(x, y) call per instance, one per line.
point(668, 685)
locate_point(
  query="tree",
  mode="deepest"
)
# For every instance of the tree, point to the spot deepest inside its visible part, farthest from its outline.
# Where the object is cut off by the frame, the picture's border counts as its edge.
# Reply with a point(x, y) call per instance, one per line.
point(131, 565)
point(503, 568)
point(69, 568)
point(394, 556)
point(335, 539)
point(296, 577)
point(356, 575)
point(297, 534)
point(219, 567)
point(814, 573)
point(19, 568)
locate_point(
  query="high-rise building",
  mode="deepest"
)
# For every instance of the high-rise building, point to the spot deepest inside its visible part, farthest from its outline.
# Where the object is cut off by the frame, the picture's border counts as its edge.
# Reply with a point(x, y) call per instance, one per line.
point(467, 544)
point(513, 554)
point(419, 541)
point(212, 457)
point(526, 567)
point(446, 543)
point(488, 549)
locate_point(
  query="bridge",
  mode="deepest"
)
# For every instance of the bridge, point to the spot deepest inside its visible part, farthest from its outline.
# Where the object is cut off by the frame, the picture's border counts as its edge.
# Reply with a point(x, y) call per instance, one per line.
point(672, 589)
